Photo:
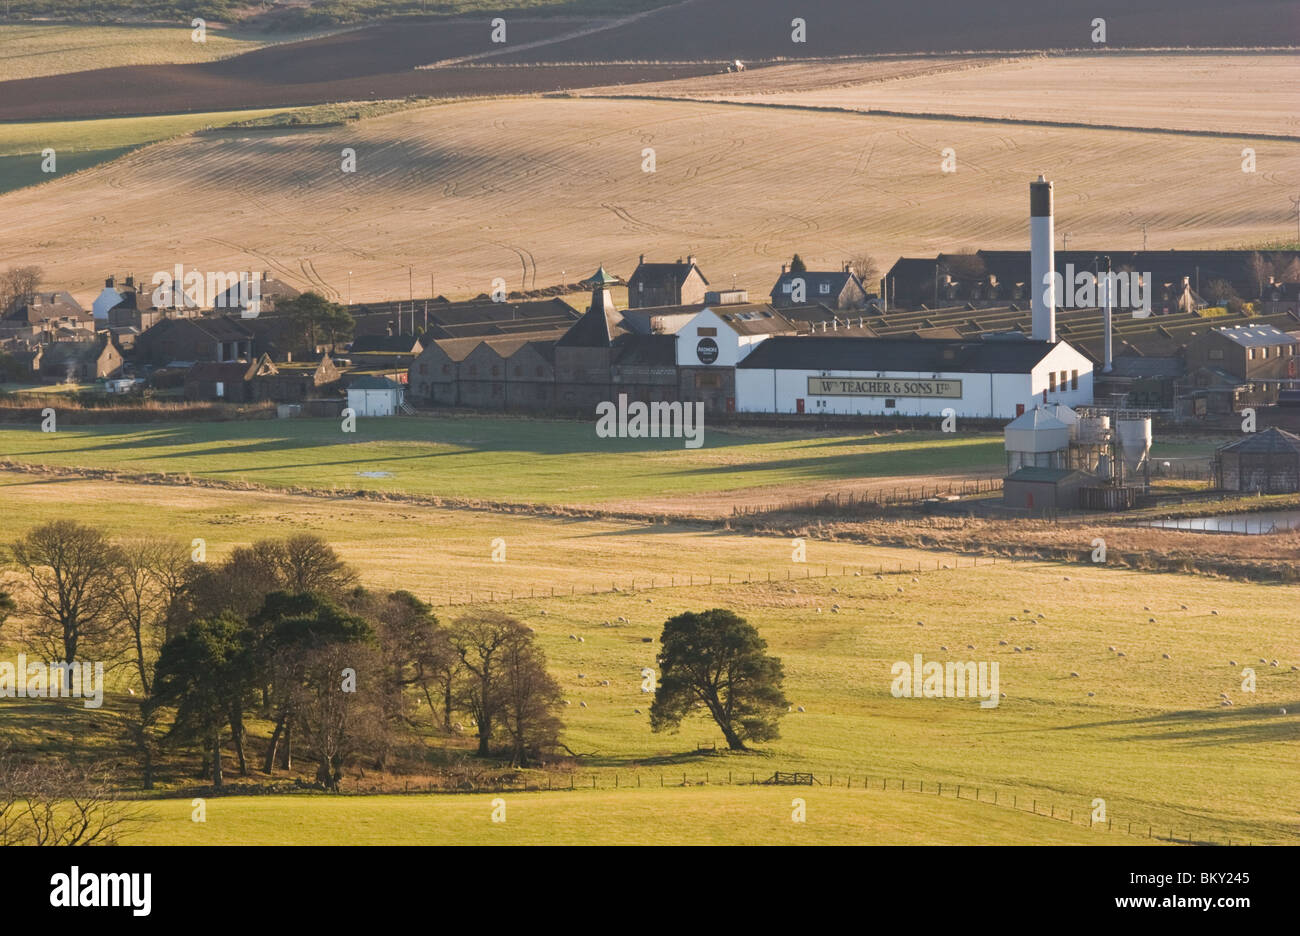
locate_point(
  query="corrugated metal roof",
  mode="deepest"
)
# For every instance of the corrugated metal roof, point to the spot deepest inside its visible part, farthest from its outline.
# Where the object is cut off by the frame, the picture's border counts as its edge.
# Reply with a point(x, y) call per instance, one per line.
point(1255, 336)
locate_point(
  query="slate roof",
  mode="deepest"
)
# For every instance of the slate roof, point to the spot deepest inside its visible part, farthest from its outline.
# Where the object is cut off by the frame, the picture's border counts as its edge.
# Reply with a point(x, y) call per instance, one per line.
point(373, 383)
point(813, 282)
point(660, 275)
point(384, 343)
point(645, 350)
point(919, 355)
point(1137, 367)
point(1267, 442)
point(1255, 336)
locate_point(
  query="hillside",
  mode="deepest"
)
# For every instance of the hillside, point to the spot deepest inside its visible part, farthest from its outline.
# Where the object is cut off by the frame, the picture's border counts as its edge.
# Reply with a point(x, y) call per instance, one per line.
point(525, 188)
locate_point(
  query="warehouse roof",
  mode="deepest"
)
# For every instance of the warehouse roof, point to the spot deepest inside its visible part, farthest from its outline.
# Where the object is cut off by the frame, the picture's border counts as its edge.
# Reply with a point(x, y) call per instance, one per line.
point(919, 355)
point(1255, 336)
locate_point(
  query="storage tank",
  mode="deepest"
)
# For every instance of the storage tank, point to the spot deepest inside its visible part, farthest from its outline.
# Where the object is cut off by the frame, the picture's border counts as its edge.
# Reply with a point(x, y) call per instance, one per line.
point(1037, 439)
point(1135, 441)
point(1067, 416)
point(1092, 430)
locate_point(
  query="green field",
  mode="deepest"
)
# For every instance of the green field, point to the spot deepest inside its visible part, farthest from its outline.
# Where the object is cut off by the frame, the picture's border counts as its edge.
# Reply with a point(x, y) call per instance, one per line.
point(507, 460)
point(1153, 740)
point(692, 816)
point(81, 144)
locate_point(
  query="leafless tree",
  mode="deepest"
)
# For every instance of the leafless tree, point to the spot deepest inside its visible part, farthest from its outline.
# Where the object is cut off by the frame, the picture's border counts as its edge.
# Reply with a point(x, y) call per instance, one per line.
point(71, 570)
point(306, 562)
point(338, 720)
point(18, 283)
point(864, 266)
point(55, 802)
point(530, 700)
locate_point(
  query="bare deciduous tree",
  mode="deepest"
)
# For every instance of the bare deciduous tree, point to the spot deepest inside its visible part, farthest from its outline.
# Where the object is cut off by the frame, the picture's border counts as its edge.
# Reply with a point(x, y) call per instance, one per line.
point(18, 283)
point(71, 569)
point(54, 802)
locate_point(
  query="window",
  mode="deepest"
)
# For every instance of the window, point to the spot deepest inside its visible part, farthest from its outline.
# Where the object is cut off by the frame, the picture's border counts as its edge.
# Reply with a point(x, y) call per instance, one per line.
point(824, 289)
point(1263, 354)
point(1063, 379)
point(473, 370)
point(890, 403)
point(706, 332)
point(496, 370)
point(708, 380)
point(1051, 382)
point(785, 287)
point(1074, 380)
point(1250, 354)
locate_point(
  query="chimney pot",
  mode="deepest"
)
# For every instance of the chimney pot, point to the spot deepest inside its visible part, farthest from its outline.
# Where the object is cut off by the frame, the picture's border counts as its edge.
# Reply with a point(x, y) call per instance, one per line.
point(690, 260)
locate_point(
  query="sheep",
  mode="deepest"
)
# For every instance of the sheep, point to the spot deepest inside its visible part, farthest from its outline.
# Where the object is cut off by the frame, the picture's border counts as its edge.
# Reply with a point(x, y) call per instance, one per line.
point(1017, 649)
point(544, 613)
point(920, 623)
point(835, 607)
point(1281, 711)
point(1262, 660)
point(835, 591)
point(857, 574)
point(649, 601)
point(1214, 612)
point(1120, 654)
point(573, 636)
point(532, 630)
point(900, 589)
point(1232, 662)
point(1073, 674)
point(801, 708)
point(1111, 649)
point(604, 682)
point(1151, 620)
point(1226, 702)
point(970, 646)
point(1067, 578)
point(1027, 649)
point(795, 590)
point(1273, 663)
point(835, 610)
point(1027, 611)
point(819, 610)
point(582, 675)
point(1183, 606)
point(1004, 695)
point(1013, 617)
point(636, 711)
point(582, 704)
point(914, 579)
point(566, 702)
point(458, 727)
point(944, 649)
point(1294, 668)
point(1091, 694)
point(1041, 616)
point(1166, 656)
point(582, 640)
point(1002, 643)
point(623, 620)
point(1146, 607)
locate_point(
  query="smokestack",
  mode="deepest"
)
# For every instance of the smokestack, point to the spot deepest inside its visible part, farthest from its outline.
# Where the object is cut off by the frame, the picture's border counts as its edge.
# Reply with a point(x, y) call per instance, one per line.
point(1106, 319)
point(1042, 261)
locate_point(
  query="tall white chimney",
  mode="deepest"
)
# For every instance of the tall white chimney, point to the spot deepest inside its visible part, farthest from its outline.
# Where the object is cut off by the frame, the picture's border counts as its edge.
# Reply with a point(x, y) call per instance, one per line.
point(1042, 261)
point(1107, 282)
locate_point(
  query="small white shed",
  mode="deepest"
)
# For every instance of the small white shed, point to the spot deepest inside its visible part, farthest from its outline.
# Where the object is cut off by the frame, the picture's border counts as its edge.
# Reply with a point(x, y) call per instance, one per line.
point(375, 396)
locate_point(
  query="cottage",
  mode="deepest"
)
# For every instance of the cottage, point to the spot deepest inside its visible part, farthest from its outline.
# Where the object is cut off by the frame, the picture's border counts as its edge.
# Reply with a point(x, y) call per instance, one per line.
point(80, 361)
point(666, 284)
point(839, 289)
point(214, 338)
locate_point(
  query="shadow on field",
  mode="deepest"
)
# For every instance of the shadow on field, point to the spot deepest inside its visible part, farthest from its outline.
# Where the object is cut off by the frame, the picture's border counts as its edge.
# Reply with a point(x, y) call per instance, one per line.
point(1227, 724)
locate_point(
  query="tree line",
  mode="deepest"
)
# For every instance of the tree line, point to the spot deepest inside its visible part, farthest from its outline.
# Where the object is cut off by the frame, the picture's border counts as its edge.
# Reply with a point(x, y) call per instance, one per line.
point(282, 631)
point(279, 630)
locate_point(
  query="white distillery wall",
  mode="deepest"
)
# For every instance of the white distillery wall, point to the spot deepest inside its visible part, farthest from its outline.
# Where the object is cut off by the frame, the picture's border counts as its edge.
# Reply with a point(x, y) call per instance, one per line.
point(983, 396)
point(374, 402)
point(732, 347)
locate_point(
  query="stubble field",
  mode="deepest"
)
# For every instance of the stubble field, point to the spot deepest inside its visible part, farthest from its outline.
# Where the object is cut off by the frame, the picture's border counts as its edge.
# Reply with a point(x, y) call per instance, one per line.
point(528, 189)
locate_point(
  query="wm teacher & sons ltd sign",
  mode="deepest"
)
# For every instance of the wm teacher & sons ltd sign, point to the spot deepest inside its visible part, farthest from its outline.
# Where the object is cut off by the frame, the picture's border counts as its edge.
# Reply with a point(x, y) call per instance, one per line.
point(884, 387)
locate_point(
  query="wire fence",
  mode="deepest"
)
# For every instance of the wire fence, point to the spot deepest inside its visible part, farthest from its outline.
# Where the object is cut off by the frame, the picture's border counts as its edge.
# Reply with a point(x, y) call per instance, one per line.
point(1082, 815)
point(691, 580)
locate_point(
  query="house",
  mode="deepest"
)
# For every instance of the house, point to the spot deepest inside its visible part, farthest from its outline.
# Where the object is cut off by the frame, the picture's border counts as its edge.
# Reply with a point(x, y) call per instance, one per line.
point(375, 396)
point(80, 361)
point(839, 290)
point(666, 284)
point(713, 342)
point(270, 290)
point(213, 338)
point(47, 311)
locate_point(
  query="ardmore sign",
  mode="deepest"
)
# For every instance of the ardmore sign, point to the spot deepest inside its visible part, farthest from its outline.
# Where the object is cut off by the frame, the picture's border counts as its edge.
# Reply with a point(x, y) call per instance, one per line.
point(884, 387)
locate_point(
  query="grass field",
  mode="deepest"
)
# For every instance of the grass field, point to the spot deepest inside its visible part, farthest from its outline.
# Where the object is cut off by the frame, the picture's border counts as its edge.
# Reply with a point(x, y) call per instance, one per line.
point(81, 144)
point(34, 50)
point(697, 816)
point(1153, 740)
point(508, 460)
point(525, 189)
